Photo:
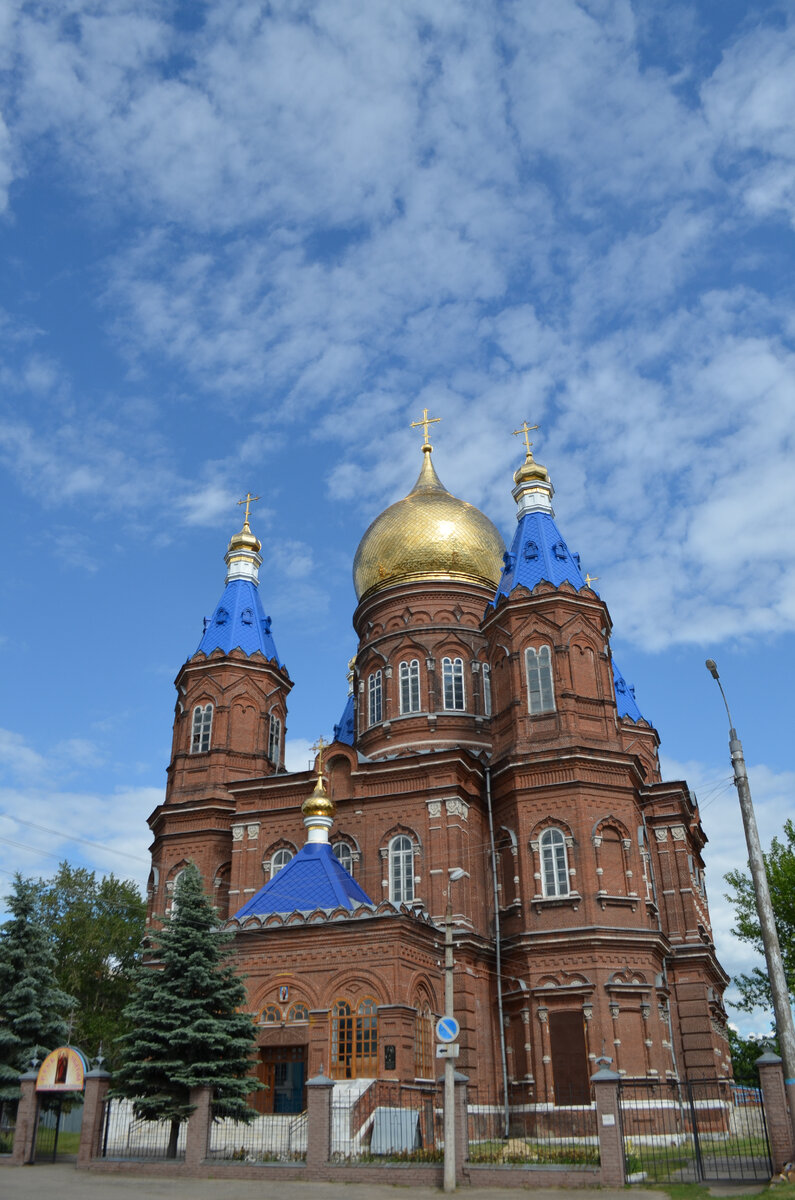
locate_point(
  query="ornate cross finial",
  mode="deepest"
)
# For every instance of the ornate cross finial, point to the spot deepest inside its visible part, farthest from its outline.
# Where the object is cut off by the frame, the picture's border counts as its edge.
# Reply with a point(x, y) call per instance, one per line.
point(425, 422)
point(249, 500)
point(320, 746)
point(589, 579)
point(525, 429)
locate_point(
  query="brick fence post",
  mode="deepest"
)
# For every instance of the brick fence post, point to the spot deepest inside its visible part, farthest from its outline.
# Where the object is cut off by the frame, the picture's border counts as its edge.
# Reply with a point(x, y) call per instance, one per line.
point(608, 1120)
point(198, 1134)
point(319, 1091)
point(777, 1114)
point(25, 1129)
point(461, 1125)
point(97, 1084)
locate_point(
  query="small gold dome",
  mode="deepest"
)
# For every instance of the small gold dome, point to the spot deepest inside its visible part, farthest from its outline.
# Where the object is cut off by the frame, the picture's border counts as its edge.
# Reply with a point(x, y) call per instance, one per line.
point(430, 534)
point(530, 470)
point(245, 540)
point(319, 804)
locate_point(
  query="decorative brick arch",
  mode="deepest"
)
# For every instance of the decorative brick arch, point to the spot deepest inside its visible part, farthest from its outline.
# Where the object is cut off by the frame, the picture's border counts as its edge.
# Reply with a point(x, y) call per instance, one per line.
point(612, 845)
point(279, 844)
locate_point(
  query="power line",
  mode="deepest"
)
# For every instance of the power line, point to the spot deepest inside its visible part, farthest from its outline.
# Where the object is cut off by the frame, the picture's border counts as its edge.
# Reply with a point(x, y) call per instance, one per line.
point(75, 838)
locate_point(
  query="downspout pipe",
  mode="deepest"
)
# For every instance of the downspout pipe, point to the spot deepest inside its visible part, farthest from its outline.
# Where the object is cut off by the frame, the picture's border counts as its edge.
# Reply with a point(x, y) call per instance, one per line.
point(498, 952)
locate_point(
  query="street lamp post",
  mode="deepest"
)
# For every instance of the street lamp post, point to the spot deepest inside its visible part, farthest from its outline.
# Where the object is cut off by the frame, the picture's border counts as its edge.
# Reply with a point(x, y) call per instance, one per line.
point(764, 907)
point(449, 1063)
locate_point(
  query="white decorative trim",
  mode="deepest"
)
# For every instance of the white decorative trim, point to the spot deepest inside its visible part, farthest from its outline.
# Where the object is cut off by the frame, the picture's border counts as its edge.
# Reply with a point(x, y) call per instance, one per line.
point(253, 830)
point(434, 808)
point(678, 833)
point(237, 833)
point(457, 808)
point(661, 835)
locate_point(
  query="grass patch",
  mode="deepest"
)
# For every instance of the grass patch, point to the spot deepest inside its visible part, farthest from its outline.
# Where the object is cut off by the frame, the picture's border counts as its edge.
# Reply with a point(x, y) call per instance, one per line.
point(700, 1191)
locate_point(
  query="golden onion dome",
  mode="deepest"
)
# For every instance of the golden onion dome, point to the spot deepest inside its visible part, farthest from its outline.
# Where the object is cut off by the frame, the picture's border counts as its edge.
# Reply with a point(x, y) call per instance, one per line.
point(531, 470)
point(430, 534)
point(319, 804)
point(245, 540)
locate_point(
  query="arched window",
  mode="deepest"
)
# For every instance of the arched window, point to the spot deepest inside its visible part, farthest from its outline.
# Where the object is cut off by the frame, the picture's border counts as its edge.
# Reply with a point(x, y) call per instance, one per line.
point(453, 683)
point(279, 860)
point(486, 673)
point(540, 695)
point(424, 1061)
point(554, 863)
point(342, 1040)
point(401, 870)
point(298, 1012)
point(171, 889)
point(275, 739)
point(344, 855)
point(367, 1037)
point(270, 1015)
point(202, 727)
point(410, 686)
point(375, 697)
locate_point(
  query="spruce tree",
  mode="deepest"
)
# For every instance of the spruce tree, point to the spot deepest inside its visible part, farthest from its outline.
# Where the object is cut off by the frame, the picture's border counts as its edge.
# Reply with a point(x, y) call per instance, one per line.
point(33, 1008)
point(187, 1022)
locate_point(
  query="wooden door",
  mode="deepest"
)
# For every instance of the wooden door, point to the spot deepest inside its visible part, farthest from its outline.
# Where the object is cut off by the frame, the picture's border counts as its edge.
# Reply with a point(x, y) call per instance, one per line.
point(569, 1057)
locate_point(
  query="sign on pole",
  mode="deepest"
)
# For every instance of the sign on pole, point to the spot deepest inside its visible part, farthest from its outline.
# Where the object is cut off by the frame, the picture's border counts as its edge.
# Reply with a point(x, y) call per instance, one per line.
point(447, 1029)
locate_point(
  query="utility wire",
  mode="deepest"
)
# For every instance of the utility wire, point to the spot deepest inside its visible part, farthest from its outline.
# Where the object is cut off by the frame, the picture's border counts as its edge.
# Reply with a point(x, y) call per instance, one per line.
point(75, 838)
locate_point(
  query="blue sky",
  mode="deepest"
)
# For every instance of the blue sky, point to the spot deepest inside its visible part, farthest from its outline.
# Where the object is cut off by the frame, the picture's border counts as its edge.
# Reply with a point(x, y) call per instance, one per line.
point(244, 245)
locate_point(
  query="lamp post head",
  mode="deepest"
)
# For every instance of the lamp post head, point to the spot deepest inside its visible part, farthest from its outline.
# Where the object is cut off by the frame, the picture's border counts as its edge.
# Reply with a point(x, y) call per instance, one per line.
point(712, 667)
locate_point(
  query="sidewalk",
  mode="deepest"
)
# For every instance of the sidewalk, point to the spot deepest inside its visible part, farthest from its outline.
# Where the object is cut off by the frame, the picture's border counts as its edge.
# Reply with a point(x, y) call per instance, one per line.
point(65, 1182)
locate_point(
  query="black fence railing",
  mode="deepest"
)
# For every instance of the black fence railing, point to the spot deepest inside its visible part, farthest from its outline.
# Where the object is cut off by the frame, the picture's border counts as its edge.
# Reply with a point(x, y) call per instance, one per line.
point(125, 1136)
point(693, 1131)
point(528, 1132)
point(272, 1137)
point(386, 1121)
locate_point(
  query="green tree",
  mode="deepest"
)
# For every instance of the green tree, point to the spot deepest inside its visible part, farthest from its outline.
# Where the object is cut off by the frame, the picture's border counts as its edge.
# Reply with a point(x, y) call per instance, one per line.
point(745, 1051)
point(33, 1008)
point(754, 988)
point(187, 1021)
point(96, 929)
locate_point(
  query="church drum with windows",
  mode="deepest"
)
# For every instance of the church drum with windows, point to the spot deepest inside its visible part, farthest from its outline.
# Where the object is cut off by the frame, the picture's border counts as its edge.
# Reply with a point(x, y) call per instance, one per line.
point(488, 731)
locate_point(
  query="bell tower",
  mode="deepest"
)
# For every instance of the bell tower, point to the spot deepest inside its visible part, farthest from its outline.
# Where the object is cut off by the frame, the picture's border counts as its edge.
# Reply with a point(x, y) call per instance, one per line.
point(229, 724)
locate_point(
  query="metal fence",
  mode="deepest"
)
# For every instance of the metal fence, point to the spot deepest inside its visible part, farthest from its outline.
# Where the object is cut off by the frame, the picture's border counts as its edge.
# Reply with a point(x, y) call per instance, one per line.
point(529, 1133)
point(383, 1121)
point(692, 1131)
point(125, 1136)
point(274, 1137)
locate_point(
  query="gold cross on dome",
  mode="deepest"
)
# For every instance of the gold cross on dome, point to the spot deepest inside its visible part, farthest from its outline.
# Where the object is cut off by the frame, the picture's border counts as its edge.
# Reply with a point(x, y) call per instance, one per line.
point(425, 422)
point(525, 429)
point(589, 579)
point(320, 745)
point(249, 500)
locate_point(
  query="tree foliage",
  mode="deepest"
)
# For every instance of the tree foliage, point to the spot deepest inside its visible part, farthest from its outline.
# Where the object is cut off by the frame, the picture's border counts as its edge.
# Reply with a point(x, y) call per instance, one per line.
point(188, 1027)
point(96, 929)
point(754, 988)
point(33, 1008)
point(745, 1051)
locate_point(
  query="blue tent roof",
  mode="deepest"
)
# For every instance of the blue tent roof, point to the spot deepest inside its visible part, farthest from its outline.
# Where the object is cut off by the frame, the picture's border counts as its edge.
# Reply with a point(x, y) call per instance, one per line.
point(538, 552)
point(343, 730)
point(313, 879)
point(625, 697)
point(239, 622)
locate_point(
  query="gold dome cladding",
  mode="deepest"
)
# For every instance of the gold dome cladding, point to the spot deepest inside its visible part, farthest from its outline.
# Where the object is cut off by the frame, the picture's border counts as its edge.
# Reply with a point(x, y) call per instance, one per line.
point(430, 534)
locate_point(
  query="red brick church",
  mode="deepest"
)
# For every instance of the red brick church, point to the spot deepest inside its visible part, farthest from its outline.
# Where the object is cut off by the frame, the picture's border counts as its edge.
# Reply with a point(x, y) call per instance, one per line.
point(488, 731)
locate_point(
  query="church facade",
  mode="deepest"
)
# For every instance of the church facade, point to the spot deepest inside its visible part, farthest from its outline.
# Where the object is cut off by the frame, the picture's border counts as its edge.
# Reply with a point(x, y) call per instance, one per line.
point(491, 765)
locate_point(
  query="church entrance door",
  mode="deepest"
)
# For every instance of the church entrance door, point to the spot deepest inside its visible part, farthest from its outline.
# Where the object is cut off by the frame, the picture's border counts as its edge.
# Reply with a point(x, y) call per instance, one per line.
point(569, 1057)
point(283, 1071)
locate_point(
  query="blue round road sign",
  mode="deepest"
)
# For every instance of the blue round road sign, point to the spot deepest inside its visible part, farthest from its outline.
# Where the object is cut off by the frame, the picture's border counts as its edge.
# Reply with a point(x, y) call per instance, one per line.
point(447, 1029)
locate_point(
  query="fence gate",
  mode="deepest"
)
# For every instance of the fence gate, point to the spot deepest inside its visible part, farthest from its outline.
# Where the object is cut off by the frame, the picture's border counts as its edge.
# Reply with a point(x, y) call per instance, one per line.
point(699, 1130)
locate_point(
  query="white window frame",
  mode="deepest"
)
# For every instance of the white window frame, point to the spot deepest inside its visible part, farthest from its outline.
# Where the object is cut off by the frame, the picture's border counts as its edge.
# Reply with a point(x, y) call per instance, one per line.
point(401, 870)
point(453, 691)
point(201, 729)
point(275, 739)
point(375, 698)
point(409, 673)
point(485, 671)
point(554, 862)
point(280, 859)
point(344, 855)
point(540, 688)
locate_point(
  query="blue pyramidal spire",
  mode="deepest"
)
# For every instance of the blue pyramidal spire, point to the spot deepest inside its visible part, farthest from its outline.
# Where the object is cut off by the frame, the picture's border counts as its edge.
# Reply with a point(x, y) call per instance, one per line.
point(538, 552)
point(239, 621)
